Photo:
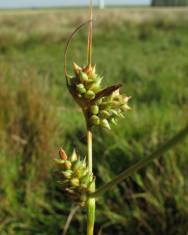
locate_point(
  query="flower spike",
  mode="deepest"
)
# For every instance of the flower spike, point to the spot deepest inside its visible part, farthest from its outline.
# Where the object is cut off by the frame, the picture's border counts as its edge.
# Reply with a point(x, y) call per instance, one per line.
point(73, 174)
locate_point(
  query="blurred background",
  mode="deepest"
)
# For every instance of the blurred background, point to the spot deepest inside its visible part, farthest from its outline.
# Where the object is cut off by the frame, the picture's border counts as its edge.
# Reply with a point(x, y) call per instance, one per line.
point(145, 47)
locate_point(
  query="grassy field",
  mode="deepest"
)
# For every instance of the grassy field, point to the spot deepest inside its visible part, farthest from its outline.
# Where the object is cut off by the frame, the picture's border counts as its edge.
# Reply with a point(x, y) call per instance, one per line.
point(146, 50)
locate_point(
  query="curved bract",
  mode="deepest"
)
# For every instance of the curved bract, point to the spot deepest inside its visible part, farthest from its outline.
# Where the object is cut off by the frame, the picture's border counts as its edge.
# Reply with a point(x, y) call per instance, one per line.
point(68, 45)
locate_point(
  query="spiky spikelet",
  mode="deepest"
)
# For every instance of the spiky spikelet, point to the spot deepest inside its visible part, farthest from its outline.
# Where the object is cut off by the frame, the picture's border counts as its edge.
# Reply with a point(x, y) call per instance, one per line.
point(73, 176)
point(107, 110)
point(101, 107)
point(84, 85)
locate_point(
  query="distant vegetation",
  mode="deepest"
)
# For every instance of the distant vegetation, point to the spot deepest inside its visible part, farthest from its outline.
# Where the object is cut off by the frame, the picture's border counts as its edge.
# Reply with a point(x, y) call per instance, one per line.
point(169, 2)
point(144, 48)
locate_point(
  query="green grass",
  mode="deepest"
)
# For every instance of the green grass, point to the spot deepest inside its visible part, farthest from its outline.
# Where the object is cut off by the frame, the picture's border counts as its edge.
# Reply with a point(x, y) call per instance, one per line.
point(144, 49)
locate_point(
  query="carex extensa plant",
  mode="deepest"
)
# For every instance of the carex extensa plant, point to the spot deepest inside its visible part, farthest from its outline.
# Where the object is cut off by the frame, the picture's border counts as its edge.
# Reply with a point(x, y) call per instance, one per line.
point(101, 107)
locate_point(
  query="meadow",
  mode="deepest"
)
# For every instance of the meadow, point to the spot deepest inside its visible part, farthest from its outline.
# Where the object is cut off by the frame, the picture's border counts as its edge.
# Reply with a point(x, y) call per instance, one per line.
point(146, 50)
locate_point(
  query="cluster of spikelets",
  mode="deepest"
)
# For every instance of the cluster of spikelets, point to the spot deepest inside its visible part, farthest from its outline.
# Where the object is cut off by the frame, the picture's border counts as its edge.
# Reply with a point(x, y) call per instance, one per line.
point(107, 110)
point(101, 107)
point(73, 174)
point(86, 82)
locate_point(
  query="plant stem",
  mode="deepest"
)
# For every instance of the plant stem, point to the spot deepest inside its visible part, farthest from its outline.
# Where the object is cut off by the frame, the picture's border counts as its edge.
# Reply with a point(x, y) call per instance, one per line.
point(91, 201)
point(128, 172)
point(89, 150)
point(90, 35)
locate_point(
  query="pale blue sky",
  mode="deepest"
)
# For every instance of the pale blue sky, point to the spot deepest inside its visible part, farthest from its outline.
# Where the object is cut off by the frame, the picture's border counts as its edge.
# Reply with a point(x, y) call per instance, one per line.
point(47, 3)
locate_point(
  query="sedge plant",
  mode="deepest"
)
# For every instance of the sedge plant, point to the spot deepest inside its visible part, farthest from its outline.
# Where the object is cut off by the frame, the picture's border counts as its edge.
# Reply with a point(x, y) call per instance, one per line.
point(101, 107)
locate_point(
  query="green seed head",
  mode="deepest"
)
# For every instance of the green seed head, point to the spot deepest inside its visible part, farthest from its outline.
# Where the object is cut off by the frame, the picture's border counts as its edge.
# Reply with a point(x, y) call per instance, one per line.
point(105, 124)
point(74, 156)
point(77, 69)
point(105, 105)
point(83, 77)
point(104, 114)
point(90, 95)
point(99, 101)
point(80, 171)
point(84, 181)
point(95, 88)
point(75, 182)
point(91, 185)
point(76, 165)
point(80, 88)
point(114, 112)
point(96, 84)
point(59, 163)
point(94, 120)
point(67, 174)
point(67, 165)
point(94, 109)
point(125, 107)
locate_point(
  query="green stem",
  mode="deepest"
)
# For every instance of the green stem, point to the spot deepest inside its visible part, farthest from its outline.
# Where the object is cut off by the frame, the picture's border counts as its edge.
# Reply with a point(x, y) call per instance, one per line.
point(130, 171)
point(91, 201)
point(90, 35)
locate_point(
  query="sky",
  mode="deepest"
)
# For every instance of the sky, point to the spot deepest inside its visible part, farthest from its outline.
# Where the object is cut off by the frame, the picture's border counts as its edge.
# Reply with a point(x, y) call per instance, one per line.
point(48, 3)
